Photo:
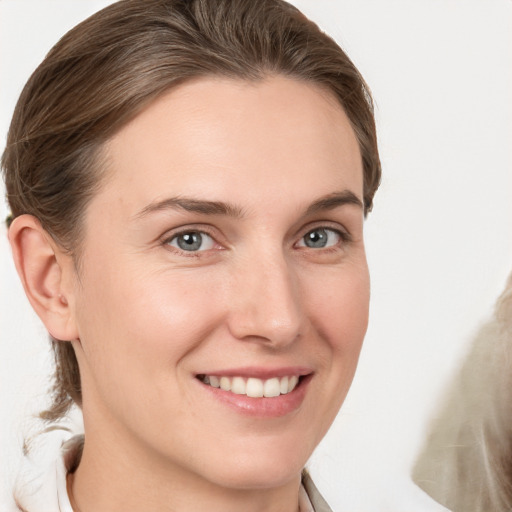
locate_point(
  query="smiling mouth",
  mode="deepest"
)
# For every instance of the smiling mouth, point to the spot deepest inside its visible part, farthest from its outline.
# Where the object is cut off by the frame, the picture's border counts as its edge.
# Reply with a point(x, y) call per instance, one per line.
point(252, 386)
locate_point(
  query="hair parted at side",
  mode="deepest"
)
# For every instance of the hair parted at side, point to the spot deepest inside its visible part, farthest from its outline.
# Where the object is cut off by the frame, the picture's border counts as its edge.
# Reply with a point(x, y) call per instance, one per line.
point(108, 68)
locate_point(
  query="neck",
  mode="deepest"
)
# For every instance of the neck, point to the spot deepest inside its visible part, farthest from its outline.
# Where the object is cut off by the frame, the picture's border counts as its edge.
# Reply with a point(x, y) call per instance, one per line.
point(109, 479)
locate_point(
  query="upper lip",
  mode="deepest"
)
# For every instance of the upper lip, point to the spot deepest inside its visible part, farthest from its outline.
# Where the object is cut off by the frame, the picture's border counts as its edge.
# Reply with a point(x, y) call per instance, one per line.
point(260, 372)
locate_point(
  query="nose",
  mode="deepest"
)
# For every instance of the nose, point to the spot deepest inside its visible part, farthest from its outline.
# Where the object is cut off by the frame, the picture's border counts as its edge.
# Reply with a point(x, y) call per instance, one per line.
point(265, 302)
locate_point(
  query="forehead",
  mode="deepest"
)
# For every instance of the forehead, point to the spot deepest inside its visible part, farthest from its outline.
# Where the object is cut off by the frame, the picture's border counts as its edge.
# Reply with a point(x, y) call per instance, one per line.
point(213, 137)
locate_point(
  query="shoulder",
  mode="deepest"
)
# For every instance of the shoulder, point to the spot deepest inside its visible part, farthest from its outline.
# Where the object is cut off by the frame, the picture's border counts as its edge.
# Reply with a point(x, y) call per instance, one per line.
point(42, 485)
point(316, 499)
point(392, 496)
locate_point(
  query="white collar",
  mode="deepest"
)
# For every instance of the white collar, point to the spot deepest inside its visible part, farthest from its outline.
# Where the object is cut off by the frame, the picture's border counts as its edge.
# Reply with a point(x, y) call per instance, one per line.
point(45, 489)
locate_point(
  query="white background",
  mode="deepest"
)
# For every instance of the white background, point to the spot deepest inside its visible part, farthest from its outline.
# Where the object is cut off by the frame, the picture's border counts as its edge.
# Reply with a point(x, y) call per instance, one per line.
point(439, 239)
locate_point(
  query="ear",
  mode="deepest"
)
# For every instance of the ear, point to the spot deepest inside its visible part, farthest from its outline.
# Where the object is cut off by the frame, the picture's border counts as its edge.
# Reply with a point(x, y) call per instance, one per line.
point(45, 271)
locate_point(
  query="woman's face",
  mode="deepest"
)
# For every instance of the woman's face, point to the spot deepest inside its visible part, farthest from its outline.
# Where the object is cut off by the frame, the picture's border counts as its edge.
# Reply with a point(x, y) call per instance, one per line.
point(226, 245)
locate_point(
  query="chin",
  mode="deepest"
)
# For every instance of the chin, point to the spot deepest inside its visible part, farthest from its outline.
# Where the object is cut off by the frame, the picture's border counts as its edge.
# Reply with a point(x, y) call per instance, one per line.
point(257, 476)
point(259, 469)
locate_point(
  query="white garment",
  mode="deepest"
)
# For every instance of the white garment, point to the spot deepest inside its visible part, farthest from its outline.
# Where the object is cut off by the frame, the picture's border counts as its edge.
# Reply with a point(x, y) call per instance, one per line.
point(50, 493)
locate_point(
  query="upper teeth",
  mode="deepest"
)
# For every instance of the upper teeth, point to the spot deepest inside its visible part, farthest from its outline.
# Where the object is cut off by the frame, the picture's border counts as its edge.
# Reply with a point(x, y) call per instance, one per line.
point(252, 387)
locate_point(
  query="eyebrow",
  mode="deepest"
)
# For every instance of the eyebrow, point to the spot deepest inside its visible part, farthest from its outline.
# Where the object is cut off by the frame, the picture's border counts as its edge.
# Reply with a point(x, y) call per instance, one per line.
point(327, 202)
point(192, 205)
point(334, 200)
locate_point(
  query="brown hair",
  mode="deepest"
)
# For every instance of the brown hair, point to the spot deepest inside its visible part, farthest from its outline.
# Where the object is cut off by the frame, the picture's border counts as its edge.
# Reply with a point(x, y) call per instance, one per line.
point(109, 67)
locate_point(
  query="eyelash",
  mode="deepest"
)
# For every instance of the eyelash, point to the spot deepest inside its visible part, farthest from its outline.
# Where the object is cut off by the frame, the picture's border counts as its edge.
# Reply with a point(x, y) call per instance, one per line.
point(343, 235)
point(344, 238)
point(190, 254)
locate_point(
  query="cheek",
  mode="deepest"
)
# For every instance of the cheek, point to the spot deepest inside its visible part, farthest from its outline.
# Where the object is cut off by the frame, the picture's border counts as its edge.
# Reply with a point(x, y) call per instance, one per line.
point(147, 318)
point(136, 334)
point(340, 310)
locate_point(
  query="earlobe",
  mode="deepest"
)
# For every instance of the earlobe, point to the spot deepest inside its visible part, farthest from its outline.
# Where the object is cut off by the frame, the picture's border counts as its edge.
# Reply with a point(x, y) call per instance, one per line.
point(41, 266)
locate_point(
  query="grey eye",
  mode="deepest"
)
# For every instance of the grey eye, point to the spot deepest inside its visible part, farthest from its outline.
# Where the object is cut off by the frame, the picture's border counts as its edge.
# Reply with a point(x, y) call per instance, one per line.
point(192, 241)
point(320, 238)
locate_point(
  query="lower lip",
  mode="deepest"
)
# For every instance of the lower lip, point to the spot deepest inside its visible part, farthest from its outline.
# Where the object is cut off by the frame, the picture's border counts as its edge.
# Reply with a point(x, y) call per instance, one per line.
point(262, 407)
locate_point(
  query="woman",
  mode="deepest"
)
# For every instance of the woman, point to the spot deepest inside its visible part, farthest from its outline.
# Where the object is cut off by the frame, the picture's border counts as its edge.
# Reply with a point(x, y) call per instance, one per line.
point(188, 183)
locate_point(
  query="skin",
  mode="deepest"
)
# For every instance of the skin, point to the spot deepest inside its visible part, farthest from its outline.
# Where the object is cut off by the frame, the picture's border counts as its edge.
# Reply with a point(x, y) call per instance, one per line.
point(147, 317)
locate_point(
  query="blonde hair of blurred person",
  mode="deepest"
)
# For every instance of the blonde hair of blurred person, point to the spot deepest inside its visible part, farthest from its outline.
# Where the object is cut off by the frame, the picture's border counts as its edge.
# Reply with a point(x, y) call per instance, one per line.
point(466, 463)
